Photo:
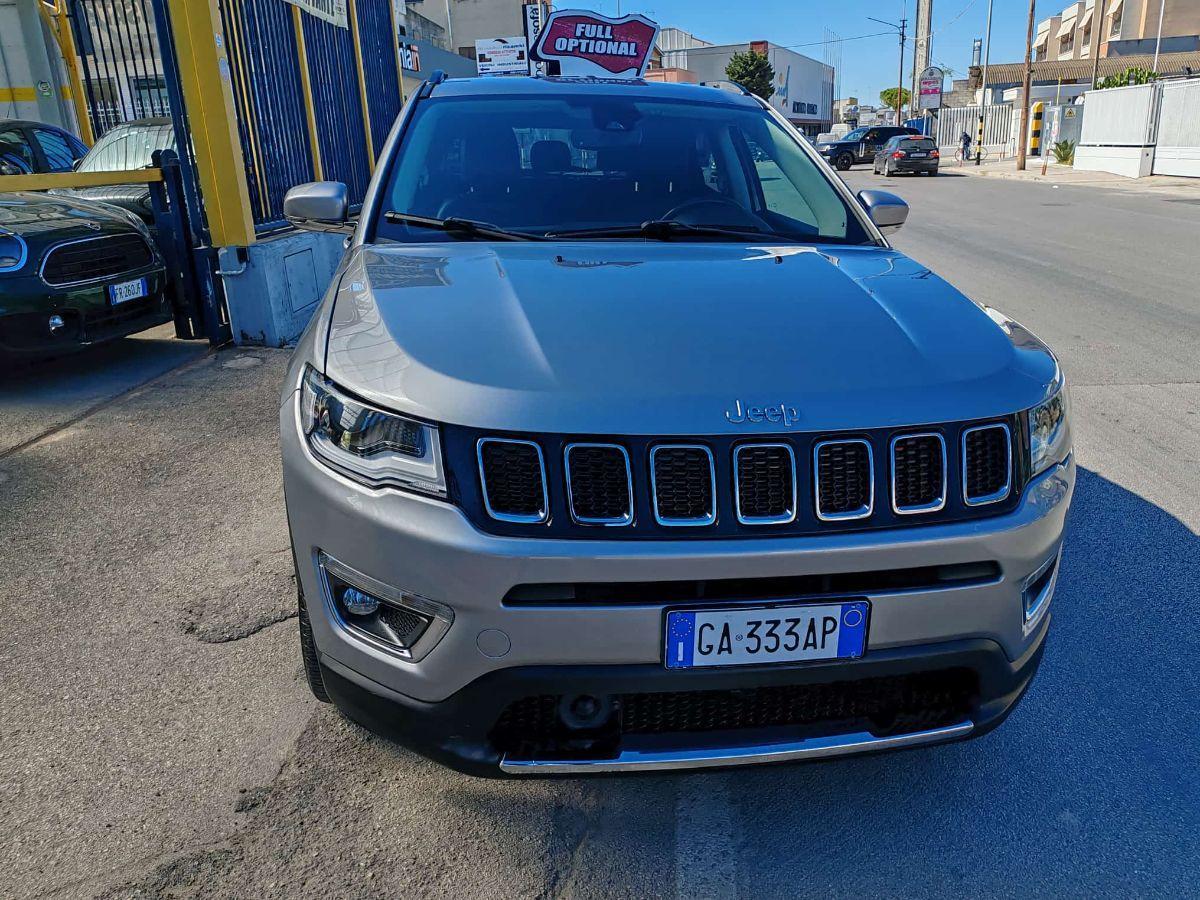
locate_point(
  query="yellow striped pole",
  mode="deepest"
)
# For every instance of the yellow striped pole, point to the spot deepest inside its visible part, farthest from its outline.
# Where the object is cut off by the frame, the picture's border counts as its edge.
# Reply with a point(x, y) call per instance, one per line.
point(310, 112)
point(1035, 139)
point(352, 12)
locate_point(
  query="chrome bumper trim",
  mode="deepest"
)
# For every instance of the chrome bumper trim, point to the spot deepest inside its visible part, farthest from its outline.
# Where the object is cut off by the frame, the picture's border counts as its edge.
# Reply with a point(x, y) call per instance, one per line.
point(661, 760)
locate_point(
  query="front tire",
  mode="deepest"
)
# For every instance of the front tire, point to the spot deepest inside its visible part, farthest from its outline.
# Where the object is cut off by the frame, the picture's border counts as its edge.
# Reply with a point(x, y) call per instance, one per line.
point(308, 652)
point(844, 162)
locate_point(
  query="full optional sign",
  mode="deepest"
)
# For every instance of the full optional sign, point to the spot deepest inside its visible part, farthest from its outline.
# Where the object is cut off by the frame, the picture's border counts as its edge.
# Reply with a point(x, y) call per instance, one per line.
point(586, 44)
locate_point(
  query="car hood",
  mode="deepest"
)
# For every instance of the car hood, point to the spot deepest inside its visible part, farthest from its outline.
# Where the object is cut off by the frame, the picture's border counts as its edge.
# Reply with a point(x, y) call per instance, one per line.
point(58, 217)
point(645, 338)
point(133, 197)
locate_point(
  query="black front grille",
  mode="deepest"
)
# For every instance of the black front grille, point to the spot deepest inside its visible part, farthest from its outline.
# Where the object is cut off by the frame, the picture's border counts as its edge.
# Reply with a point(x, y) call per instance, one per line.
point(683, 484)
point(513, 479)
point(881, 705)
point(599, 481)
point(919, 472)
point(766, 483)
point(987, 467)
point(844, 479)
point(93, 258)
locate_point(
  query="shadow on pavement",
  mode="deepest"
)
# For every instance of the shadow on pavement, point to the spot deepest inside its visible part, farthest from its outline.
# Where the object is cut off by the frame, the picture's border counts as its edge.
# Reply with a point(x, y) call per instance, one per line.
point(1089, 788)
point(38, 396)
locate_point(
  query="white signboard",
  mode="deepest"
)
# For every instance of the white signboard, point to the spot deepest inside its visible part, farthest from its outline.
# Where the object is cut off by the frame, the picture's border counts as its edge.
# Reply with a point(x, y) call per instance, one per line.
point(930, 88)
point(331, 11)
point(502, 56)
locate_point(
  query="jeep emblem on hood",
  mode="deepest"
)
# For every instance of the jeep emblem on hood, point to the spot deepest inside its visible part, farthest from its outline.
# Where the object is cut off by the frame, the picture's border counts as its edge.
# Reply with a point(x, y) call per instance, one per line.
point(780, 414)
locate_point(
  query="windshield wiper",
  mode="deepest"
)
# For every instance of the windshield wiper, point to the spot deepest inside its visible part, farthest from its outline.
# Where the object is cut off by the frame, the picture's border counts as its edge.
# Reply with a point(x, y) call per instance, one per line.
point(461, 227)
point(665, 229)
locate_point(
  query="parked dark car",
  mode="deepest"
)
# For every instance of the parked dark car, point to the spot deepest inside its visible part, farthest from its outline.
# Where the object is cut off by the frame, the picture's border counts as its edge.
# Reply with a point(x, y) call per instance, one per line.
point(908, 154)
point(860, 145)
point(126, 147)
point(73, 273)
point(29, 148)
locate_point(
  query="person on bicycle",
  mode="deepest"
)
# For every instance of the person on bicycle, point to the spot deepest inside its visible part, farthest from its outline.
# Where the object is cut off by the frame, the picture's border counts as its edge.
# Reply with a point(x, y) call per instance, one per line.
point(966, 146)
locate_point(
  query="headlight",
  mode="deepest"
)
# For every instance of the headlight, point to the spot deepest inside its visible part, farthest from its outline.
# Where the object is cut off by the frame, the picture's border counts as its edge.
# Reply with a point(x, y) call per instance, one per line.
point(1049, 431)
point(12, 252)
point(369, 445)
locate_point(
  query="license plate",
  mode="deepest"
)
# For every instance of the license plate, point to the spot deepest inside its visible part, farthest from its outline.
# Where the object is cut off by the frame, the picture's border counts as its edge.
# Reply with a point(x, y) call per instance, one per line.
point(127, 290)
point(917, 155)
point(768, 634)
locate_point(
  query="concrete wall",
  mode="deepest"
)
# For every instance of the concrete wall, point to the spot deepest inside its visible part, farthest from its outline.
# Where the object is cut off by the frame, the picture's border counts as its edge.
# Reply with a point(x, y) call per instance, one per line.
point(473, 20)
point(32, 81)
point(1132, 162)
point(274, 296)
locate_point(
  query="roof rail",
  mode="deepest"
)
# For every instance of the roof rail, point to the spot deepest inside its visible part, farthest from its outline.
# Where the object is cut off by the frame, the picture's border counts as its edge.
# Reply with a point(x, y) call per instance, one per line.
point(732, 86)
point(431, 82)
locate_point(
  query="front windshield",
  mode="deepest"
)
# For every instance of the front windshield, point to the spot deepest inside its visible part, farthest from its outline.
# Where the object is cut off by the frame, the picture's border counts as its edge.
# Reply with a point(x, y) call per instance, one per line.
point(128, 147)
point(558, 164)
point(856, 135)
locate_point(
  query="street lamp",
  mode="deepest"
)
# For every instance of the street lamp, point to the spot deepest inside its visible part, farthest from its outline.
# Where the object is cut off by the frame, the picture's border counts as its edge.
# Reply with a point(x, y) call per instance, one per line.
point(987, 52)
point(900, 29)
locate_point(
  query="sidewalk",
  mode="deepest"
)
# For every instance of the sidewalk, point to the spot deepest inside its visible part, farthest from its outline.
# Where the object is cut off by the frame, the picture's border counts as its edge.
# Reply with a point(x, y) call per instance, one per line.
point(1056, 174)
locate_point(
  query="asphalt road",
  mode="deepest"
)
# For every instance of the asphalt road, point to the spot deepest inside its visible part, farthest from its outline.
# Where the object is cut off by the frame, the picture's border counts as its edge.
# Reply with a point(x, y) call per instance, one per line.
point(158, 740)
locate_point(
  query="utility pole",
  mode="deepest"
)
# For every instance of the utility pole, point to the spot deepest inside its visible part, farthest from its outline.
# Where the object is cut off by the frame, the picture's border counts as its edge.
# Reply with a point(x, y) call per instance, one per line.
point(902, 30)
point(1023, 137)
point(1162, 8)
point(987, 55)
point(1097, 27)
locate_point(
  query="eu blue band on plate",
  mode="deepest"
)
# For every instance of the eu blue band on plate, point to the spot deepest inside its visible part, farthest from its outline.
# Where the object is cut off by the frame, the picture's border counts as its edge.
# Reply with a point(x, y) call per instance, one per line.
point(680, 639)
point(852, 635)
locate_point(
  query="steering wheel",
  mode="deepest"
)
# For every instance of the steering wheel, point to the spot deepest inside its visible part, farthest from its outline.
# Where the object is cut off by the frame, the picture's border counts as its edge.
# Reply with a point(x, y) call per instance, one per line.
point(721, 205)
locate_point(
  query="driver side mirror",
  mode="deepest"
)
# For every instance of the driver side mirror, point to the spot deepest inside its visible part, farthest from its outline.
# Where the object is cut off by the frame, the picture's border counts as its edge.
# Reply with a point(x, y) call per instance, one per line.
point(887, 211)
point(319, 206)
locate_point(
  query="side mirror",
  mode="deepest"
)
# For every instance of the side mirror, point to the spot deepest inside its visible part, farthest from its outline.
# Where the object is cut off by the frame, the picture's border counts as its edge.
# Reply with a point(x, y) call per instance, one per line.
point(887, 211)
point(318, 206)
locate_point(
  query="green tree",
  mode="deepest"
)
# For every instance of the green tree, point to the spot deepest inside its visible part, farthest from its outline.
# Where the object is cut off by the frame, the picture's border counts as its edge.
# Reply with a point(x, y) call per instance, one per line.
point(888, 97)
point(753, 71)
point(1132, 75)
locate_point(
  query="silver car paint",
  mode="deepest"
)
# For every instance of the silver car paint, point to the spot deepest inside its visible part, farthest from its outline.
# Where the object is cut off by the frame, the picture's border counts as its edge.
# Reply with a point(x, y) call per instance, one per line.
point(642, 338)
point(509, 336)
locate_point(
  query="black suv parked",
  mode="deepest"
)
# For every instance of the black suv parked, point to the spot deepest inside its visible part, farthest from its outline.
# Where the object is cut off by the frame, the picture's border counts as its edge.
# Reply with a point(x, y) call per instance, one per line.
point(860, 145)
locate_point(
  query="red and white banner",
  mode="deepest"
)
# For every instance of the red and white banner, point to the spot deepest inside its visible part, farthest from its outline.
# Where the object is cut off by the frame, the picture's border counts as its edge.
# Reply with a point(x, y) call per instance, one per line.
point(588, 44)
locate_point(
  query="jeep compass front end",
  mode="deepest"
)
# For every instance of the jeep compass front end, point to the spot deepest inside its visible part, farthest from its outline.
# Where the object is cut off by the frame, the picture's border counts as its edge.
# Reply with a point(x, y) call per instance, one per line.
point(624, 441)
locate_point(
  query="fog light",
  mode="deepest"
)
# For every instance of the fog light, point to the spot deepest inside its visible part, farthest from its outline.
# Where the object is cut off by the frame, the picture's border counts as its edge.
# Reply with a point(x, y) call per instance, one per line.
point(387, 617)
point(358, 603)
point(56, 323)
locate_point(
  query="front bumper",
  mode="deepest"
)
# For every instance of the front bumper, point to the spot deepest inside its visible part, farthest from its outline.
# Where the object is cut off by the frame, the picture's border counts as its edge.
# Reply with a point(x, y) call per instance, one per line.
point(446, 703)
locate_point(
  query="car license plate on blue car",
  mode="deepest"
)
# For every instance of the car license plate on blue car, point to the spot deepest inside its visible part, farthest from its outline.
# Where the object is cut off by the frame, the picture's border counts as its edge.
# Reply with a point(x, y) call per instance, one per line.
point(127, 290)
point(765, 634)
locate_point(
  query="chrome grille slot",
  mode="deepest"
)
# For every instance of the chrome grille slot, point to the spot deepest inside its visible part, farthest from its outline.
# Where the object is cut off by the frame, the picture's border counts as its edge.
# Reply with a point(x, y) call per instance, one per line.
point(764, 477)
point(91, 259)
point(599, 484)
point(987, 464)
point(683, 484)
point(918, 473)
point(845, 479)
point(513, 477)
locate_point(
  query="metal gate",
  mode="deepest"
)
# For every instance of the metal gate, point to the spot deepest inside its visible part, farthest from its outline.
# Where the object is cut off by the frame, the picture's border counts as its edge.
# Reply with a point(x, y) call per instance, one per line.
point(125, 69)
point(1178, 150)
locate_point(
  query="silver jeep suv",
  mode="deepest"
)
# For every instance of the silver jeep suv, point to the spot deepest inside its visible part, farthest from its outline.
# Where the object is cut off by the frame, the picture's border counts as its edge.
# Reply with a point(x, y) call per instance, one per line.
point(623, 440)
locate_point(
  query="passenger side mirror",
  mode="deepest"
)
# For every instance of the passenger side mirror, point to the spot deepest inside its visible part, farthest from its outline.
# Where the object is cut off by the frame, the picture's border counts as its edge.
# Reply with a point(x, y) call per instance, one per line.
point(319, 206)
point(887, 211)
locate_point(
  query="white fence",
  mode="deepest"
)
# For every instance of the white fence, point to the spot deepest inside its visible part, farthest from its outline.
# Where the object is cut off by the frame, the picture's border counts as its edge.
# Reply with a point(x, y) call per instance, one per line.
point(952, 122)
point(1178, 147)
point(1118, 130)
point(1120, 117)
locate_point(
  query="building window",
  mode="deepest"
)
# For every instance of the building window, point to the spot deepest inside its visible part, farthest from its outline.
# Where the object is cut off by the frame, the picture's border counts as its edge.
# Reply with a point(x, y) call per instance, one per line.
point(1114, 25)
point(1066, 43)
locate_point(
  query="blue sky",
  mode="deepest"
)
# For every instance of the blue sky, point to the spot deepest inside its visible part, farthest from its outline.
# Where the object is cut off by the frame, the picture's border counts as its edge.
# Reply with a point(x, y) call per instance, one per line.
point(868, 65)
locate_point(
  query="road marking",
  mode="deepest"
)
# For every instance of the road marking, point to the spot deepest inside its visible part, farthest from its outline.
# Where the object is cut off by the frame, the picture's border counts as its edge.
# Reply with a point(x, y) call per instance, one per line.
point(707, 834)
